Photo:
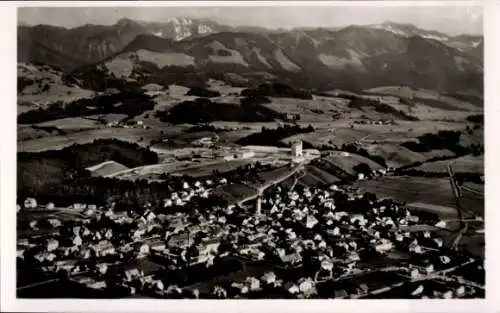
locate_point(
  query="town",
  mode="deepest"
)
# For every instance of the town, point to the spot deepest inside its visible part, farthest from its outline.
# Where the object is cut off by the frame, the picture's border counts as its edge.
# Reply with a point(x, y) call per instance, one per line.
point(299, 243)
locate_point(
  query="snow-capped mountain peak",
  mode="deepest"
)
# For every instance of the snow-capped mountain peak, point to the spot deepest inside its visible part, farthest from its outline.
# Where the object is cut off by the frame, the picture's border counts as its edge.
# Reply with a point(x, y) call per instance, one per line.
point(408, 30)
point(204, 29)
point(390, 28)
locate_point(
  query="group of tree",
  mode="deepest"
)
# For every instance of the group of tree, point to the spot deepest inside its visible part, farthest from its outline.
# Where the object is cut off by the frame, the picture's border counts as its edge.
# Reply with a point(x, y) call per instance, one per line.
point(378, 106)
point(203, 110)
point(273, 136)
point(48, 170)
point(459, 176)
point(203, 128)
point(277, 90)
point(202, 92)
point(362, 168)
point(446, 140)
point(476, 119)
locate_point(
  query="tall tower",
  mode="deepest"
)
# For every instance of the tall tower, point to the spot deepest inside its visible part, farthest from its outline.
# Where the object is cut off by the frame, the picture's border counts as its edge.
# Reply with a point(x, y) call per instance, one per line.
point(258, 208)
point(297, 149)
point(258, 204)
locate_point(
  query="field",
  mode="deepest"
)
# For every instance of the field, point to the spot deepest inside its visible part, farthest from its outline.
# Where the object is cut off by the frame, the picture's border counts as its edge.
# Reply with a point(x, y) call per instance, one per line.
point(473, 202)
point(475, 188)
point(346, 161)
point(189, 137)
point(328, 108)
point(443, 211)
point(64, 214)
point(194, 169)
point(71, 124)
point(427, 112)
point(56, 93)
point(396, 155)
point(333, 137)
point(340, 132)
point(474, 244)
point(405, 130)
point(316, 109)
point(148, 171)
point(107, 118)
point(23, 106)
point(436, 191)
point(26, 132)
point(235, 135)
point(234, 193)
point(223, 88)
point(476, 137)
point(426, 104)
point(205, 169)
point(44, 86)
point(429, 97)
point(464, 164)
point(316, 177)
point(134, 135)
point(107, 168)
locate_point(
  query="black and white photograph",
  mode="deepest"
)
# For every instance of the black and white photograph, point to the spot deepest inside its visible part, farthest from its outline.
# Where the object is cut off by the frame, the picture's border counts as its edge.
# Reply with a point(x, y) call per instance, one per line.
point(250, 152)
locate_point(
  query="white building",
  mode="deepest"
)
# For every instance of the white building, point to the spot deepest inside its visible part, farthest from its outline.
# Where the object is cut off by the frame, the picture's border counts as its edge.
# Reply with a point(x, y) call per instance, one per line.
point(269, 278)
point(247, 154)
point(77, 241)
point(30, 203)
point(429, 268)
point(297, 149)
point(383, 246)
point(144, 250)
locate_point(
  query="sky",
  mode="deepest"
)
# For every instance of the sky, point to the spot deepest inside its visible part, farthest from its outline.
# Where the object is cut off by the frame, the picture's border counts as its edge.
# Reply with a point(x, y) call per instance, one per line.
point(448, 19)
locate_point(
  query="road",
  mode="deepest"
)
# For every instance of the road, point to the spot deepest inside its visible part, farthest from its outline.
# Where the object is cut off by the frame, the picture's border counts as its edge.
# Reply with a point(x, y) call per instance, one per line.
point(457, 193)
point(360, 140)
point(37, 284)
point(273, 182)
point(474, 191)
point(297, 179)
point(439, 275)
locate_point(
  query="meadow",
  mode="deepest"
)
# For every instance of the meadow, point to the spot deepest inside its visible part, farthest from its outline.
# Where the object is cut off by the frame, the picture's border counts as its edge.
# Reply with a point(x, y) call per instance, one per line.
point(436, 191)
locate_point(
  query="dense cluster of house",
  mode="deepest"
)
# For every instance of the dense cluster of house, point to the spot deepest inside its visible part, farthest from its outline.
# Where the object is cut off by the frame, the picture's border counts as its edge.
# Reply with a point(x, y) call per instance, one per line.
point(128, 124)
point(375, 122)
point(303, 239)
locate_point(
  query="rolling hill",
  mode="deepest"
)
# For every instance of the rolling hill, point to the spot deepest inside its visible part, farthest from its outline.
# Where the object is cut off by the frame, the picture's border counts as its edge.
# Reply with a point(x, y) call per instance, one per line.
point(92, 43)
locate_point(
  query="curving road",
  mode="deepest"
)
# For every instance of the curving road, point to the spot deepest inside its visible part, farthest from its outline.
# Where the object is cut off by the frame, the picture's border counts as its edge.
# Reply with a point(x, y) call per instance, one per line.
point(273, 182)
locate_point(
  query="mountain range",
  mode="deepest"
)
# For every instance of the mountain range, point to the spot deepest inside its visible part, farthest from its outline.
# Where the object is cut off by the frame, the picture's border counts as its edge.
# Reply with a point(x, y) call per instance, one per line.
point(352, 57)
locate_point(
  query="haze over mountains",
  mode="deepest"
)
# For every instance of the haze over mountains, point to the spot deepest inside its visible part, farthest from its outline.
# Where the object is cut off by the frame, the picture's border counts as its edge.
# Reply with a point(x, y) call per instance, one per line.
point(353, 57)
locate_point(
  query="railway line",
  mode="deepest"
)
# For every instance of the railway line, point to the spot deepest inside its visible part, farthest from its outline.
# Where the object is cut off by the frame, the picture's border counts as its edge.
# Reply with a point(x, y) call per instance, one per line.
point(457, 193)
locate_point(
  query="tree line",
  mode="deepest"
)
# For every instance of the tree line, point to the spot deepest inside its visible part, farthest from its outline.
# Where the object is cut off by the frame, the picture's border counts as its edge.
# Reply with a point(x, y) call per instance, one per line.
point(444, 139)
point(273, 136)
point(203, 110)
point(44, 171)
point(277, 90)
